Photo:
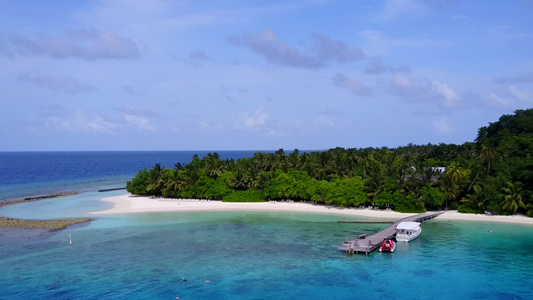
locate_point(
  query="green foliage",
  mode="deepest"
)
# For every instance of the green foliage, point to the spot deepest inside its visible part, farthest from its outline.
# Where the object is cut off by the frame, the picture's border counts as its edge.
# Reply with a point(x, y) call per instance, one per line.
point(512, 196)
point(407, 204)
point(432, 197)
point(209, 188)
point(475, 202)
point(138, 184)
point(466, 209)
point(406, 179)
point(530, 210)
point(244, 196)
point(345, 192)
point(383, 200)
point(292, 185)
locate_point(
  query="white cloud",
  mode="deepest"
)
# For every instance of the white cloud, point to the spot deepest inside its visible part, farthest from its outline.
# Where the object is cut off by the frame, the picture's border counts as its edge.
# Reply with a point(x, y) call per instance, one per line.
point(376, 66)
point(520, 94)
point(497, 100)
point(90, 44)
point(422, 90)
point(274, 50)
point(139, 122)
point(63, 83)
point(405, 87)
point(328, 49)
point(58, 120)
point(255, 119)
point(511, 96)
point(448, 94)
point(98, 124)
point(352, 85)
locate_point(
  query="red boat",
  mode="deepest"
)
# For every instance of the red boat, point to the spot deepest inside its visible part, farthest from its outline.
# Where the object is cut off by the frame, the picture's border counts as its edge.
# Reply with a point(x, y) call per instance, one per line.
point(387, 246)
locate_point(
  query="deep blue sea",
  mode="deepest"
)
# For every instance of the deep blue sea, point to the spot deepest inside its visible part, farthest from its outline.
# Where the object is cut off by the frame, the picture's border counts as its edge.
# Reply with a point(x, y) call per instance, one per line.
point(243, 255)
point(26, 174)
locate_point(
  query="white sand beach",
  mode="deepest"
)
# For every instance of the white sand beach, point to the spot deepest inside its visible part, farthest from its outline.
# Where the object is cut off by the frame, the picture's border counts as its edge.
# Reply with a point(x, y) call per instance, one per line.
point(128, 204)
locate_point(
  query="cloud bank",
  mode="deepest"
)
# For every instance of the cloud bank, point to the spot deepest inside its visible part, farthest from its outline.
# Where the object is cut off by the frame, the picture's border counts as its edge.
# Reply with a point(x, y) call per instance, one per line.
point(274, 50)
point(85, 44)
point(60, 83)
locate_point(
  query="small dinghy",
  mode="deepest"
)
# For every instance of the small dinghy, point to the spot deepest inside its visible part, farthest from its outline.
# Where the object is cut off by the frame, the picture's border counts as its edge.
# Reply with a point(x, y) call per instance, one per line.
point(387, 246)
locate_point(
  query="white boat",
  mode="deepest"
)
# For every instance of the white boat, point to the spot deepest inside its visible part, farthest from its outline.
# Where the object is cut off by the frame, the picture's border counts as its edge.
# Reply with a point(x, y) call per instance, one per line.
point(407, 231)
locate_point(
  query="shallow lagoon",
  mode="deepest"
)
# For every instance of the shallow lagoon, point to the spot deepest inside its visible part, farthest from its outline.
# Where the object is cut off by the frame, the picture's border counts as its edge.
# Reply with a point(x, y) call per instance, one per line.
point(259, 255)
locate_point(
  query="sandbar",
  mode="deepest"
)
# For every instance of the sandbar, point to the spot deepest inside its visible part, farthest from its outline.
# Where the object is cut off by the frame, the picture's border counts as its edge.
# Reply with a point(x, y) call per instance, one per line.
point(129, 204)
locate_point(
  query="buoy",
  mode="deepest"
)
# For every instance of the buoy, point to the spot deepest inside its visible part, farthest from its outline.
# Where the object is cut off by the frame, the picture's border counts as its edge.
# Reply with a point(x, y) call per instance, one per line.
point(177, 297)
point(207, 281)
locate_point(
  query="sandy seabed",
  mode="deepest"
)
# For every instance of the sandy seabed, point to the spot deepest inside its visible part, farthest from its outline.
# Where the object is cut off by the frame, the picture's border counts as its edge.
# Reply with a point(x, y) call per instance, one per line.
point(129, 204)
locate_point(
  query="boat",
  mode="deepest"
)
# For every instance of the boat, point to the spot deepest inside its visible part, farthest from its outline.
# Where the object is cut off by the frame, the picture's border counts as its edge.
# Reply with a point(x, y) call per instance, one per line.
point(387, 246)
point(407, 231)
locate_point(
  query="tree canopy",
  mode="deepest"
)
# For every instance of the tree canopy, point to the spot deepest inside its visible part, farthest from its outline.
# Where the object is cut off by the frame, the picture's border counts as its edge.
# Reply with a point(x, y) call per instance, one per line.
point(495, 173)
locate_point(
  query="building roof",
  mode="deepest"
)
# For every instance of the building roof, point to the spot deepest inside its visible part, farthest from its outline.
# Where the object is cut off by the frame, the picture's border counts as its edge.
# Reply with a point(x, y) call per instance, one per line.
point(408, 225)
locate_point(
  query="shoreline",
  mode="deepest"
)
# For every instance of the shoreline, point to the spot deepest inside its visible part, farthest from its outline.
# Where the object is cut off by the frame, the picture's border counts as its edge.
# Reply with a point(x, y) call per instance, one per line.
point(51, 225)
point(129, 204)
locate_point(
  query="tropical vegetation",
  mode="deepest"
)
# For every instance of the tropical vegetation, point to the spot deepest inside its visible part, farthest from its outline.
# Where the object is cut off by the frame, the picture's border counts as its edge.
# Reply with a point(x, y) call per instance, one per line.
point(493, 173)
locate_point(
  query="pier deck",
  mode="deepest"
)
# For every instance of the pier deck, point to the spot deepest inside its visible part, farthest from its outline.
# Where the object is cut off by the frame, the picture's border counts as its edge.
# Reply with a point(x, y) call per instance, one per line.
point(366, 244)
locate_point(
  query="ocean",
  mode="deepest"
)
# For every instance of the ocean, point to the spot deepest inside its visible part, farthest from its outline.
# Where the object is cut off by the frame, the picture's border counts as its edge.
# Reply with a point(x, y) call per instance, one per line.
point(231, 255)
point(30, 174)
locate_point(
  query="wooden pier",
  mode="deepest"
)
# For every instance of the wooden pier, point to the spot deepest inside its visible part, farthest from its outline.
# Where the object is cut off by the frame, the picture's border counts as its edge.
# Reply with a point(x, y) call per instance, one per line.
point(366, 244)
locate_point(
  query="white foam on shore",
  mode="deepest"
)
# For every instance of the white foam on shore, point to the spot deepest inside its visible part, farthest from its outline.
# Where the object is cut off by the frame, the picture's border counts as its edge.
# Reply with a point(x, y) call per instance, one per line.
point(128, 204)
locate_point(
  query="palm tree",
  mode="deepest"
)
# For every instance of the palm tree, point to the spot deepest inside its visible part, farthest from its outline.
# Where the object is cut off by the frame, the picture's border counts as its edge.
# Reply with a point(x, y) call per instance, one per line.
point(529, 208)
point(239, 181)
point(250, 168)
point(213, 165)
point(174, 183)
point(280, 161)
point(293, 160)
point(156, 181)
point(476, 199)
point(260, 159)
point(364, 160)
point(311, 165)
point(487, 155)
point(376, 180)
point(339, 162)
point(323, 168)
point(512, 197)
point(451, 182)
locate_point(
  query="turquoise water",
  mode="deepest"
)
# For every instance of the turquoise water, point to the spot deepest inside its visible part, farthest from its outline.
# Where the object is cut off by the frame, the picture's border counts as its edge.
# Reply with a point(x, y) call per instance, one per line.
point(252, 255)
point(244, 255)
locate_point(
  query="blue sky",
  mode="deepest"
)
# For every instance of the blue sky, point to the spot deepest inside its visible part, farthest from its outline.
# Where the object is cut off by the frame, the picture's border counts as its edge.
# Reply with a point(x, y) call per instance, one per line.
point(259, 75)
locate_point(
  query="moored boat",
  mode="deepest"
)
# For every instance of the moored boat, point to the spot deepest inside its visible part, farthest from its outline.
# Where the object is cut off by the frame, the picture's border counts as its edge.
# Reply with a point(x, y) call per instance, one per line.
point(407, 231)
point(387, 246)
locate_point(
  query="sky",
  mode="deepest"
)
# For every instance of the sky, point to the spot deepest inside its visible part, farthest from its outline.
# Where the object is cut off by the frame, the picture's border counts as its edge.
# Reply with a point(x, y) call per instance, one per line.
point(259, 75)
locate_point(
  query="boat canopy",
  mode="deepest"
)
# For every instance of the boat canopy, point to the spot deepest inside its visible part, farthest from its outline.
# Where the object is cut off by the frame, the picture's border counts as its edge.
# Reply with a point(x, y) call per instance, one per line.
point(407, 225)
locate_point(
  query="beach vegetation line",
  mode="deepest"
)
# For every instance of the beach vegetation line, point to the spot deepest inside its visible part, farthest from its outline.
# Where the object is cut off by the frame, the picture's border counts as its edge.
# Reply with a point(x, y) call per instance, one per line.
point(493, 174)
